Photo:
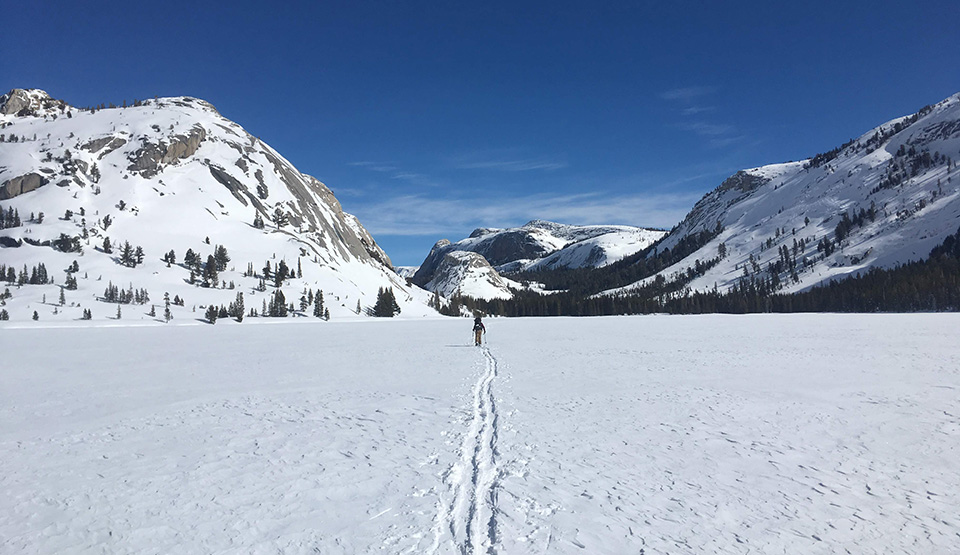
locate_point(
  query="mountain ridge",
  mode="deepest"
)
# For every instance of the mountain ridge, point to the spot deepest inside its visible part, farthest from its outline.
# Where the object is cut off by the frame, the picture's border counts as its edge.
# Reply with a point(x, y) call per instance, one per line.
point(171, 174)
point(537, 245)
point(900, 174)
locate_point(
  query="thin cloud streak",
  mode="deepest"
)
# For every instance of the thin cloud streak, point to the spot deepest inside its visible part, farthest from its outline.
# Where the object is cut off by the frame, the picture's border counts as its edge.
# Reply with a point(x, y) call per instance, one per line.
point(694, 110)
point(686, 94)
point(705, 129)
point(374, 166)
point(422, 215)
point(513, 165)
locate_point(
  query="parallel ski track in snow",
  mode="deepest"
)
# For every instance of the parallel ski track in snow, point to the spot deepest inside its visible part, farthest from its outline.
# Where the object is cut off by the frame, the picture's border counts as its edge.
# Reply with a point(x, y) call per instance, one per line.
point(470, 513)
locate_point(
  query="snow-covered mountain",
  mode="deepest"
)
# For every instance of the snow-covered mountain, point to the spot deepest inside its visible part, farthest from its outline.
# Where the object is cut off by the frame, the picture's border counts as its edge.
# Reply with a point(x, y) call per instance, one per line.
point(884, 198)
point(537, 246)
point(469, 273)
point(167, 175)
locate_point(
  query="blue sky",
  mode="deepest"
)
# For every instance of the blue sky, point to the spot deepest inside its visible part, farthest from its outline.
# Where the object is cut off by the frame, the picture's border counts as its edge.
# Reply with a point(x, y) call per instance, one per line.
point(428, 119)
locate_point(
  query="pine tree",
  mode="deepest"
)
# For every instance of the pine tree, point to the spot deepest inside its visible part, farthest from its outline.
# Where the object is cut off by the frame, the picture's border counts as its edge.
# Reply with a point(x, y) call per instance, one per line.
point(238, 305)
point(210, 276)
point(221, 257)
point(63, 297)
point(127, 257)
point(280, 218)
point(386, 305)
point(318, 305)
point(278, 305)
point(282, 273)
point(212, 314)
point(167, 314)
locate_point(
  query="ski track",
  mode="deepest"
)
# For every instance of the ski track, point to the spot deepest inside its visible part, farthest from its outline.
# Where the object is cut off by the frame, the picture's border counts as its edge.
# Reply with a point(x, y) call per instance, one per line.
point(470, 515)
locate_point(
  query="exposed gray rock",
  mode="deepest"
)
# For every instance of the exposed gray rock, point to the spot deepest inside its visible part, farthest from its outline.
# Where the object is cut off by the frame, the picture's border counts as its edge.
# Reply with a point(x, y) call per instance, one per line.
point(499, 248)
point(116, 143)
point(743, 182)
point(181, 147)
point(456, 265)
point(10, 242)
point(236, 188)
point(21, 184)
point(28, 102)
point(94, 145)
point(425, 273)
point(149, 159)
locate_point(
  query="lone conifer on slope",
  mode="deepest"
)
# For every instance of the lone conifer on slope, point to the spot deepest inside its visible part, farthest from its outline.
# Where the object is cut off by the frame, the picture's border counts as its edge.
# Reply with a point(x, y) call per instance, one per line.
point(386, 305)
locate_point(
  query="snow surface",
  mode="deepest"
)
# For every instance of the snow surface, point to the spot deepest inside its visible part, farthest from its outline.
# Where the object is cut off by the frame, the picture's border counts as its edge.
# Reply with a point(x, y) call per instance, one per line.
point(653, 434)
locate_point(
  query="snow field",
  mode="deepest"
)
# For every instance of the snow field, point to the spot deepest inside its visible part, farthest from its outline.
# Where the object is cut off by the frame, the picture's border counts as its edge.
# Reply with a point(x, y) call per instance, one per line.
point(708, 434)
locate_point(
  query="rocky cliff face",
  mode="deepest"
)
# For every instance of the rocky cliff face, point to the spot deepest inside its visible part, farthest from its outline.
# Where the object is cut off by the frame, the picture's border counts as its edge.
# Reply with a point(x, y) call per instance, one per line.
point(468, 273)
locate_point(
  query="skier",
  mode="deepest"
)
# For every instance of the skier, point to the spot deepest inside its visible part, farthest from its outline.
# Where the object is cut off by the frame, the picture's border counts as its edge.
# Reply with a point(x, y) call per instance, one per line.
point(478, 329)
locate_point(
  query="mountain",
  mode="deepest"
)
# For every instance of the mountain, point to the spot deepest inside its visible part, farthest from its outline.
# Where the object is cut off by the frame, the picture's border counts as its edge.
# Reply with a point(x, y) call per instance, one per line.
point(167, 175)
point(536, 246)
point(882, 199)
point(468, 273)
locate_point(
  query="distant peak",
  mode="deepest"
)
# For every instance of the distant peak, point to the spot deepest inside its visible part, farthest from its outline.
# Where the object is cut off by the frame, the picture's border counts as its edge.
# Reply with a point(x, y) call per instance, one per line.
point(542, 223)
point(481, 231)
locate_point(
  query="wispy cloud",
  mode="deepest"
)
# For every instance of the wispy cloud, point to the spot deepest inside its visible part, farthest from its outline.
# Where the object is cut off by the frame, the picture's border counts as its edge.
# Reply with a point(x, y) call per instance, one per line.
point(418, 179)
point(395, 172)
point(505, 160)
point(707, 129)
point(686, 94)
point(687, 100)
point(720, 142)
point(513, 165)
point(425, 215)
point(694, 110)
point(374, 166)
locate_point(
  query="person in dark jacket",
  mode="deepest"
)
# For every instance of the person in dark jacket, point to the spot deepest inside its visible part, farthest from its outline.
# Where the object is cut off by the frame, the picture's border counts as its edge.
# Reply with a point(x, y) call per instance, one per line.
point(478, 330)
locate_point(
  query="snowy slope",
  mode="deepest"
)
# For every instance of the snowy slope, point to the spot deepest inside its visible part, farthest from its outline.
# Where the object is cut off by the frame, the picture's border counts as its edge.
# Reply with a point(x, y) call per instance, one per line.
point(903, 172)
point(615, 243)
point(537, 246)
point(171, 174)
point(820, 434)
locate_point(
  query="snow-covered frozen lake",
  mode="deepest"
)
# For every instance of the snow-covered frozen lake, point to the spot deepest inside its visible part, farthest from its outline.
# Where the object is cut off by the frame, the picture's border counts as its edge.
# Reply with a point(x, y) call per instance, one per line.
point(653, 434)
